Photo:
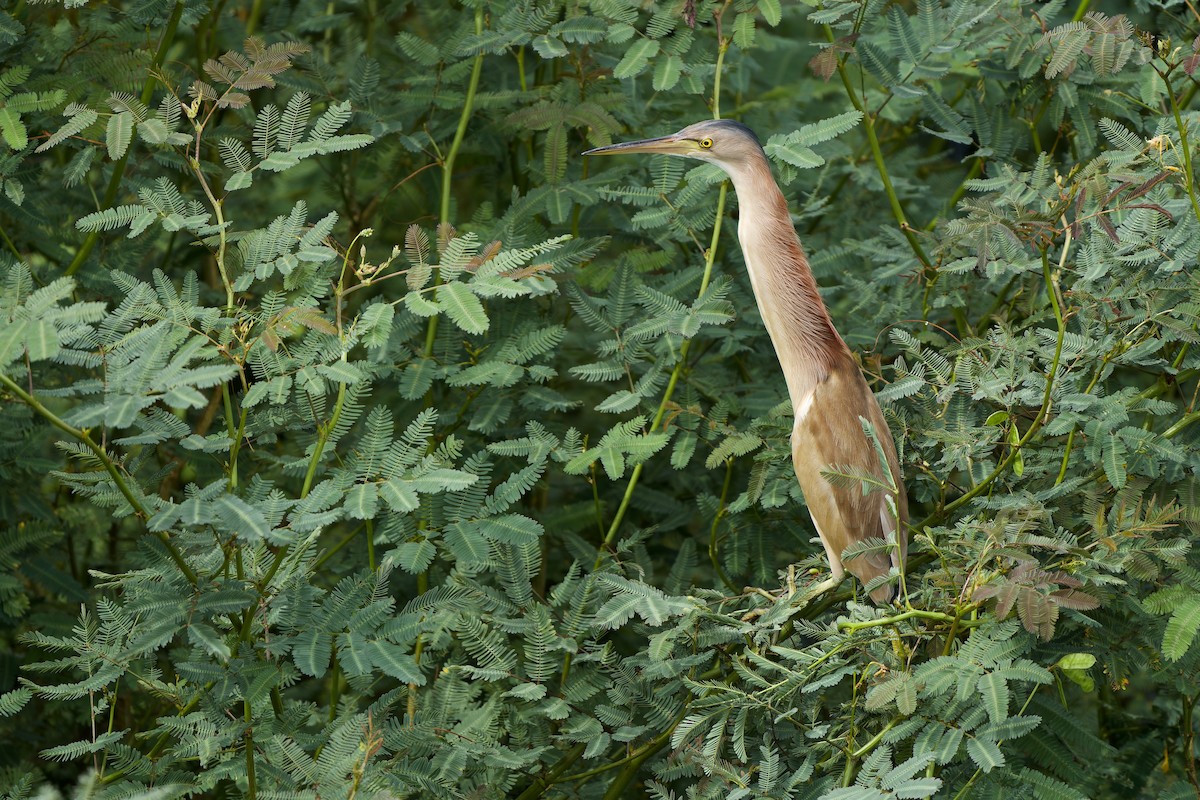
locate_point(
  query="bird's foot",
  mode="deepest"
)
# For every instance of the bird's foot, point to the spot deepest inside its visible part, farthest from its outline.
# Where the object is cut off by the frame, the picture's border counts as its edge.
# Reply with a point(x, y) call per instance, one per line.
point(825, 586)
point(792, 591)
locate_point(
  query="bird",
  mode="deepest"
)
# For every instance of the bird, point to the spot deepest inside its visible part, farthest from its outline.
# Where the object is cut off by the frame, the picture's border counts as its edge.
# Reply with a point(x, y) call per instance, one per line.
point(829, 394)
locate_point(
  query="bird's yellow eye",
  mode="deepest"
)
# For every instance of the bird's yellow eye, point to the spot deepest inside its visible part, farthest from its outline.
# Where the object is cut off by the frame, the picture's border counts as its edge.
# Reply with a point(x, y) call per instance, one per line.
point(706, 143)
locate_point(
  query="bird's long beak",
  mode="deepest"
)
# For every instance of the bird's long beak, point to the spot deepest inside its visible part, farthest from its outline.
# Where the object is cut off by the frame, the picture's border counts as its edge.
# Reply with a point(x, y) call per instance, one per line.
point(672, 145)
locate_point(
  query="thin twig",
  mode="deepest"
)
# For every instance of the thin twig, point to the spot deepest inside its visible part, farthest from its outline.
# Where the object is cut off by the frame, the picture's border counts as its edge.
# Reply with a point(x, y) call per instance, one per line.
point(109, 466)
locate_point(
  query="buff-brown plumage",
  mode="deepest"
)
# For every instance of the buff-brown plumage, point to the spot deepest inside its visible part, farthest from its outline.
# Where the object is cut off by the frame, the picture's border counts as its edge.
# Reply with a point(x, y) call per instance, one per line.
point(829, 394)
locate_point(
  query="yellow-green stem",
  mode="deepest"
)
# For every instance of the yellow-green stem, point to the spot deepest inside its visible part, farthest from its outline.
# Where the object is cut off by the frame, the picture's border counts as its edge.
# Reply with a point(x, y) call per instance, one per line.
point(936, 616)
point(709, 259)
point(448, 174)
point(880, 165)
point(1040, 419)
point(256, 10)
point(713, 554)
point(1183, 145)
point(543, 782)
point(966, 789)
point(322, 440)
point(222, 235)
point(431, 327)
point(521, 68)
point(616, 789)
point(874, 742)
point(251, 782)
point(9, 243)
point(109, 466)
point(461, 131)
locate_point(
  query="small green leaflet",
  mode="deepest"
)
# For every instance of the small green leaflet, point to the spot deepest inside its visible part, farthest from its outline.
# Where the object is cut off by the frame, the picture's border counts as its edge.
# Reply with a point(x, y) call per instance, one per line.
point(772, 11)
point(463, 307)
point(242, 519)
point(118, 134)
point(636, 58)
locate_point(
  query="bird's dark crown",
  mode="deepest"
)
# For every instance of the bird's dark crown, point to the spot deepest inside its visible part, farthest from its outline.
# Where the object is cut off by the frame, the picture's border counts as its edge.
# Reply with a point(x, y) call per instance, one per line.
point(729, 126)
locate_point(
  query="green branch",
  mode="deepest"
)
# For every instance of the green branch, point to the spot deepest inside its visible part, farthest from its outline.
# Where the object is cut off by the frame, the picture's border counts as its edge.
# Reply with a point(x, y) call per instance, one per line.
point(544, 782)
point(680, 365)
point(713, 554)
point(248, 718)
point(616, 789)
point(710, 257)
point(463, 119)
point(109, 466)
point(222, 235)
point(448, 175)
point(1183, 145)
point(935, 616)
point(1040, 418)
point(880, 165)
point(322, 439)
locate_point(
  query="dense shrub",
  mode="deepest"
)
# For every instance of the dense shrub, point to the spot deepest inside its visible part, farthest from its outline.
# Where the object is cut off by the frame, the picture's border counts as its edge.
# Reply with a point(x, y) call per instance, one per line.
point(361, 439)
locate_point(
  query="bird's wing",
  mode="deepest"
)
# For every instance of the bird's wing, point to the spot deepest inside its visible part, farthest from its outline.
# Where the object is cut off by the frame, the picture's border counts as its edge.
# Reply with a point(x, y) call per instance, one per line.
point(828, 434)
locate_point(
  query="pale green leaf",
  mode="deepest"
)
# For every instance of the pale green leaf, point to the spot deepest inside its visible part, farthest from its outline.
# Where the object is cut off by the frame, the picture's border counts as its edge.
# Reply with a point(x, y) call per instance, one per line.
point(119, 134)
point(462, 307)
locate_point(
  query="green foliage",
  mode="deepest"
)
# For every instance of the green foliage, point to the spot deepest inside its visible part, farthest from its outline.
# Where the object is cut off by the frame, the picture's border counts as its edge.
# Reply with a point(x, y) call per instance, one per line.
point(360, 439)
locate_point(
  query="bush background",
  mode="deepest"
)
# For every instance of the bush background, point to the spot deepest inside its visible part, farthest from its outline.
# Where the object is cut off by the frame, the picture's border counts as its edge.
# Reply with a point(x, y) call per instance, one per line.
point(359, 438)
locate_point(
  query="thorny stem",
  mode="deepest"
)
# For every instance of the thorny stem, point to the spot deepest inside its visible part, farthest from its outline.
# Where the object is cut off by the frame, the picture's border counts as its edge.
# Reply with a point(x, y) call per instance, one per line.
point(114, 183)
point(109, 466)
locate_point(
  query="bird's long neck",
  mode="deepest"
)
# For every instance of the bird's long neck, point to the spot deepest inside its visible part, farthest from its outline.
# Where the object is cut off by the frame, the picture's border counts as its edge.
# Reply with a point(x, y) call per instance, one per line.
point(805, 340)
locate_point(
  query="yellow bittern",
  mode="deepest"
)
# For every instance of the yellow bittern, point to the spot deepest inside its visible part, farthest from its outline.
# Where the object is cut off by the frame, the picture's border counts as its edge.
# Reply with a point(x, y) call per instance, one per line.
point(828, 392)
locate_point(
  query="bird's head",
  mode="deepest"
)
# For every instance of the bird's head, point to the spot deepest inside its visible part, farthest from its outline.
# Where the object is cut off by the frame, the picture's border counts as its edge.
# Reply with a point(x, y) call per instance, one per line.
point(728, 144)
